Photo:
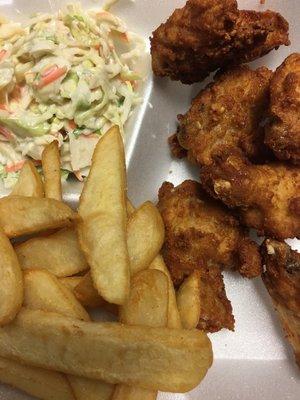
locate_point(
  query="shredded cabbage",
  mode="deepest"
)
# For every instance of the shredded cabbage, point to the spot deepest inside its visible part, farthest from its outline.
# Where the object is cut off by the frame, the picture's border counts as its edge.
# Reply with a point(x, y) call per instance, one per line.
point(65, 77)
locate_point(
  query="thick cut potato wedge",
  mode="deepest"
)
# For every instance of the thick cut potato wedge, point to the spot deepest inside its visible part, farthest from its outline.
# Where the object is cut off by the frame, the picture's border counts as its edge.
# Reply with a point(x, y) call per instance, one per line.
point(88, 296)
point(86, 293)
point(124, 392)
point(102, 233)
point(43, 291)
point(20, 215)
point(148, 300)
point(71, 282)
point(147, 305)
point(59, 253)
point(179, 358)
point(130, 208)
point(188, 300)
point(51, 171)
point(37, 382)
point(174, 321)
point(105, 188)
point(29, 183)
point(11, 282)
point(90, 389)
point(145, 236)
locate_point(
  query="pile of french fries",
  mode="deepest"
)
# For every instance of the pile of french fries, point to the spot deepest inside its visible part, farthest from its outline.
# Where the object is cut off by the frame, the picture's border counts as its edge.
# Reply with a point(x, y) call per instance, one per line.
point(104, 256)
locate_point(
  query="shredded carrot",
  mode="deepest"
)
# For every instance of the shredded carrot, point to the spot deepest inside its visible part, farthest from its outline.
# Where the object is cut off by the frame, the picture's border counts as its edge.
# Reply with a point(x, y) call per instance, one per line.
point(123, 36)
point(72, 124)
point(16, 93)
point(15, 167)
point(2, 54)
point(6, 133)
point(51, 77)
point(49, 70)
point(4, 107)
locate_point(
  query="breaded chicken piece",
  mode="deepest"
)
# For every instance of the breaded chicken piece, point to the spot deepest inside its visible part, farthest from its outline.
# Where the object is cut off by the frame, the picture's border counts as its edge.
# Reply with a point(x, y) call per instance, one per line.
point(200, 231)
point(266, 196)
point(282, 280)
point(283, 131)
point(206, 35)
point(228, 112)
point(216, 309)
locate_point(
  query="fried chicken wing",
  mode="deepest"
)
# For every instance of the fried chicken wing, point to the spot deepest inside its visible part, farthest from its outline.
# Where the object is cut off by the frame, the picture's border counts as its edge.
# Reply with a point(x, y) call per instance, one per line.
point(283, 131)
point(216, 309)
point(266, 196)
point(201, 231)
point(227, 113)
point(282, 280)
point(206, 35)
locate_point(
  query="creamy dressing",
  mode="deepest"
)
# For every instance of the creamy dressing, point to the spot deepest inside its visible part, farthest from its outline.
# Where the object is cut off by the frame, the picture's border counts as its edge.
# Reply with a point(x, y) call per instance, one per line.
point(65, 77)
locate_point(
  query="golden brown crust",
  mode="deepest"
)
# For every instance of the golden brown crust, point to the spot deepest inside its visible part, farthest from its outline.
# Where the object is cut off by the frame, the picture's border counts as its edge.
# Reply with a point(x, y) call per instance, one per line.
point(216, 310)
point(176, 150)
point(266, 196)
point(227, 112)
point(283, 131)
point(200, 231)
point(282, 280)
point(206, 35)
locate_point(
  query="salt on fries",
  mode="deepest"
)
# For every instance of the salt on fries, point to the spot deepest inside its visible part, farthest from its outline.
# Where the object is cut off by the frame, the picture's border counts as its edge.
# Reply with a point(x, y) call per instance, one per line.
point(50, 348)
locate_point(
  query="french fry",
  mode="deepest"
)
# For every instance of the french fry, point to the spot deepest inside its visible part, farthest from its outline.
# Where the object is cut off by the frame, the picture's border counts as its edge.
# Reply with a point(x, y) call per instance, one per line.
point(29, 183)
point(174, 321)
point(43, 291)
point(11, 282)
point(130, 208)
point(102, 233)
point(71, 281)
point(145, 236)
point(125, 392)
point(51, 171)
point(20, 215)
point(148, 300)
point(188, 301)
point(86, 293)
point(90, 389)
point(179, 358)
point(64, 259)
point(41, 383)
point(147, 305)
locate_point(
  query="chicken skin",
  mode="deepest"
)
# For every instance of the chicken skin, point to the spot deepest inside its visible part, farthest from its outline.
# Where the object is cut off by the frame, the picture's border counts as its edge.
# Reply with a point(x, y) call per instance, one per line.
point(283, 131)
point(216, 309)
point(200, 231)
point(282, 280)
point(267, 197)
point(206, 35)
point(228, 112)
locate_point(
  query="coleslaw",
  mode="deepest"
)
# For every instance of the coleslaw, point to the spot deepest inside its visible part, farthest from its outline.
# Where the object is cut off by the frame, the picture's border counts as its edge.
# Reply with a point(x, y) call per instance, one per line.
point(67, 77)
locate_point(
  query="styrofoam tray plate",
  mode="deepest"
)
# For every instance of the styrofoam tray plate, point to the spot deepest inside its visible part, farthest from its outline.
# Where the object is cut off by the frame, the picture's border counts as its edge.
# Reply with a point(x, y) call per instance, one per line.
point(254, 362)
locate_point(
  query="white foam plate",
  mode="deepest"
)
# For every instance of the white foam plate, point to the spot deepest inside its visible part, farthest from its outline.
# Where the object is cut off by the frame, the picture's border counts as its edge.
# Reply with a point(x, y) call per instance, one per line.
point(254, 362)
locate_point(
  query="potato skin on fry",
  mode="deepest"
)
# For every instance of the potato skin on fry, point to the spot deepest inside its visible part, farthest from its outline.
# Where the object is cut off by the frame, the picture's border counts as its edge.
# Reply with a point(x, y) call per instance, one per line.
point(41, 383)
point(102, 232)
point(11, 281)
point(20, 215)
point(29, 183)
point(64, 259)
point(180, 358)
point(51, 170)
